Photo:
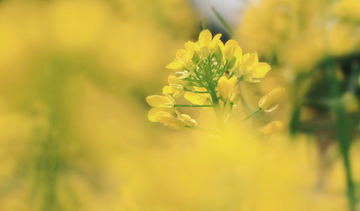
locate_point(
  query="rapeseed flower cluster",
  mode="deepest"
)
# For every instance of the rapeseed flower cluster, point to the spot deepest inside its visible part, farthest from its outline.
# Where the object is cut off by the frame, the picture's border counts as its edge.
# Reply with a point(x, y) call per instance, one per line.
point(208, 75)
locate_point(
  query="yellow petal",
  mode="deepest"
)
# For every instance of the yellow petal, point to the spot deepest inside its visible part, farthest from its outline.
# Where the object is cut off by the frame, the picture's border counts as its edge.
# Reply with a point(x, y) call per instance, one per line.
point(221, 45)
point(187, 120)
point(260, 70)
point(214, 43)
point(169, 120)
point(200, 89)
point(205, 38)
point(230, 48)
point(189, 48)
point(174, 80)
point(182, 75)
point(223, 88)
point(154, 113)
point(175, 65)
point(257, 72)
point(157, 100)
point(238, 53)
point(245, 57)
point(180, 54)
point(195, 98)
point(171, 100)
point(251, 61)
point(167, 89)
point(232, 81)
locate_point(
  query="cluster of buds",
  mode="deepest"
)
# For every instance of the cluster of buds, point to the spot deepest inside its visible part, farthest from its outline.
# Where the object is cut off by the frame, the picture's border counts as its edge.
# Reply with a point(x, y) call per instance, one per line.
point(208, 75)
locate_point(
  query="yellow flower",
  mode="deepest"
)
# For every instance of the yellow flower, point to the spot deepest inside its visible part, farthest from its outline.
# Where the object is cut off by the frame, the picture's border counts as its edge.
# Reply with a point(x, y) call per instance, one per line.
point(251, 70)
point(266, 101)
point(196, 98)
point(226, 87)
point(169, 120)
point(160, 103)
point(176, 86)
point(232, 53)
point(206, 44)
point(183, 57)
point(271, 128)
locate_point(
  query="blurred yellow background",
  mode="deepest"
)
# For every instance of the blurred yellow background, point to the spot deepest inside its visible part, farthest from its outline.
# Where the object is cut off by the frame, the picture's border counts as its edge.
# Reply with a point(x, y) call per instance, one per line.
point(74, 133)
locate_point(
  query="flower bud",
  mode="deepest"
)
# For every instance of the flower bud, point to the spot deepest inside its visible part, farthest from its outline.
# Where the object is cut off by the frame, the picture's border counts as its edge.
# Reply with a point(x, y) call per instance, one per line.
point(226, 86)
point(266, 101)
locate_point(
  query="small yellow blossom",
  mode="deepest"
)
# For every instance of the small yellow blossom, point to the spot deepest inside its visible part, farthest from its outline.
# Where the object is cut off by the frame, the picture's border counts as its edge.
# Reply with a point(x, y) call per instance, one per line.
point(206, 44)
point(271, 128)
point(251, 69)
point(232, 53)
point(176, 86)
point(160, 103)
point(226, 87)
point(198, 98)
point(169, 120)
point(266, 101)
point(183, 57)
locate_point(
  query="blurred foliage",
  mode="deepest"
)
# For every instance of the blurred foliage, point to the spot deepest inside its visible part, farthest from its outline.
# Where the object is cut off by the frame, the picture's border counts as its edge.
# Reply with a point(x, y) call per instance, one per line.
point(315, 44)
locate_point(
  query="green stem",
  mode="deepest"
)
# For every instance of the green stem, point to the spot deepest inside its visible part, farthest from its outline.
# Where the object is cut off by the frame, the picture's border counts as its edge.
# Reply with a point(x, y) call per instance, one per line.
point(345, 129)
point(199, 92)
point(213, 94)
point(192, 106)
point(255, 112)
point(222, 72)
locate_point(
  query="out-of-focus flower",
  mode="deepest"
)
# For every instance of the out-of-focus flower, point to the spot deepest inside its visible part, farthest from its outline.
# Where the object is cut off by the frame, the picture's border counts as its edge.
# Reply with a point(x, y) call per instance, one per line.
point(266, 101)
point(160, 103)
point(348, 9)
point(271, 128)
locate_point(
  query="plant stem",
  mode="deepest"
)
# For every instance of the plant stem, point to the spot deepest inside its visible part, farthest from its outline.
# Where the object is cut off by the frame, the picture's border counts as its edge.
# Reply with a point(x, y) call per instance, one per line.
point(199, 92)
point(213, 94)
point(192, 106)
point(345, 129)
point(255, 112)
